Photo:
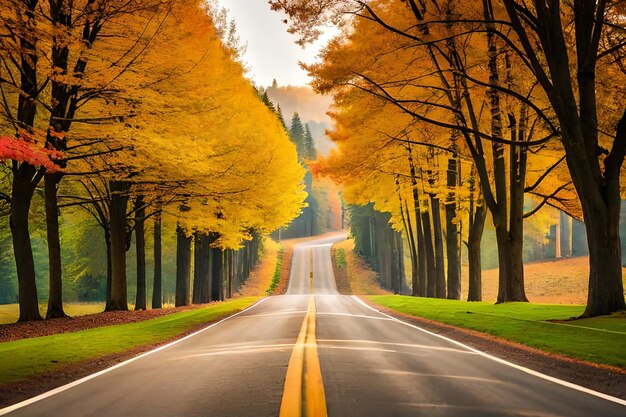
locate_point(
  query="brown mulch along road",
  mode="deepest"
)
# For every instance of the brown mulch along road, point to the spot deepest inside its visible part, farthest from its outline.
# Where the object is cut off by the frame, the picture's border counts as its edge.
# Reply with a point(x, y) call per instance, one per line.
point(602, 378)
point(16, 331)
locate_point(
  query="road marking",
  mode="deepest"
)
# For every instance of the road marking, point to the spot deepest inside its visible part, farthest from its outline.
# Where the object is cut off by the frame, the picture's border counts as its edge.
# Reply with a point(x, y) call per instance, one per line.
point(502, 361)
point(407, 345)
point(356, 316)
point(303, 394)
point(420, 374)
point(65, 387)
point(478, 410)
point(281, 313)
point(237, 350)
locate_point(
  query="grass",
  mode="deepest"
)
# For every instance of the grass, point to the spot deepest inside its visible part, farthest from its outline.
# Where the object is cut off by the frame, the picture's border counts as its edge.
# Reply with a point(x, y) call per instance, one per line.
point(340, 258)
point(9, 313)
point(599, 339)
point(29, 357)
point(276, 276)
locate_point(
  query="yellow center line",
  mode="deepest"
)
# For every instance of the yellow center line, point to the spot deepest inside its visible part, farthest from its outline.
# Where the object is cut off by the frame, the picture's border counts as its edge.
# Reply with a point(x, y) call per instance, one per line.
point(303, 394)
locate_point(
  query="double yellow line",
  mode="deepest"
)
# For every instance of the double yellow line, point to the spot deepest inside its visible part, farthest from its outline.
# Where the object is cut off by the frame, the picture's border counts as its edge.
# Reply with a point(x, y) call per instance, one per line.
point(304, 389)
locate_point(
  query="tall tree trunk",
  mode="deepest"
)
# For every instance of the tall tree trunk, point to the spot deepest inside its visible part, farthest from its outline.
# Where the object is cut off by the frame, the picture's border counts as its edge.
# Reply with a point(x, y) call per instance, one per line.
point(422, 268)
point(109, 282)
point(606, 292)
point(207, 240)
point(157, 285)
point(397, 278)
point(118, 221)
point(431, 283)
point(227, 274)
point(476, 227)
point(602, 216)
point(196, 297)
point(140, 246)
point(452, 233)
point(183, 267)
point(440, 272)
point(21, 197)
point(55, 298)
point(217, 290)
point(415, 278)
point(25, 176)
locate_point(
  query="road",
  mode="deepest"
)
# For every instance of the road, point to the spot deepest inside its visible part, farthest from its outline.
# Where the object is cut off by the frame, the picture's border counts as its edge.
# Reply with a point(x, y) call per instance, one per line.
point(371, 365)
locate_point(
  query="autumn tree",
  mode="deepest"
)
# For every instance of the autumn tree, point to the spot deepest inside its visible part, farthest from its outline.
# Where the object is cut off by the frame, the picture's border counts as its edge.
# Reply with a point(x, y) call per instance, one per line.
point(439, 30)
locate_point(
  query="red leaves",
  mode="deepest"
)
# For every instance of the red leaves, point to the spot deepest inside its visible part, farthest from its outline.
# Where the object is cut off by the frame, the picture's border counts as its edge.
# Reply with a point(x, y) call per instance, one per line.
point(25, 150)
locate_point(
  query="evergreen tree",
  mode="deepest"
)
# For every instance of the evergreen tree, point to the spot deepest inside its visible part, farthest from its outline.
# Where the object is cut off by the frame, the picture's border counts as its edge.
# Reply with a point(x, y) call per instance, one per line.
point(309, 144)
point(279, 112)
point(296, 134)
point(266, 100)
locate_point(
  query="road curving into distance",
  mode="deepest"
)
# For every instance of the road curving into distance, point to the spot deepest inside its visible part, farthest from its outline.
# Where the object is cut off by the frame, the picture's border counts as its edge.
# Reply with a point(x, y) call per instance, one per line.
point(314, 352)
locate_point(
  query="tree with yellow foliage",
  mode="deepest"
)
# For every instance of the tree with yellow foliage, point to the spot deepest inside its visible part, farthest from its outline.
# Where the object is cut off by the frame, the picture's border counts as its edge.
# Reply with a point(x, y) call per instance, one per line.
point(439, 29)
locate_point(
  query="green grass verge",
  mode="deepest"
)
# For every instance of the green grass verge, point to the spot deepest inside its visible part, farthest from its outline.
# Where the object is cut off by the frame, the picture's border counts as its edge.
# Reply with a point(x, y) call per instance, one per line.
point(599, 339)
point(277, 270)
point(340, 258)
point(28, 357)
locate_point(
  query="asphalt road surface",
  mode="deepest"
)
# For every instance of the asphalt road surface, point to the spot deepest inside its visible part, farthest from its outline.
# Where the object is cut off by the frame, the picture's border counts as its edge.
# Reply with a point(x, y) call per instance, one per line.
point(371, 365)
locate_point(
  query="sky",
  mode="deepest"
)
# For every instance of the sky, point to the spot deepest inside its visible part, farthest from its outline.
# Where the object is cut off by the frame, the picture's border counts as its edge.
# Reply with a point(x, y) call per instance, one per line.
point(271, 52)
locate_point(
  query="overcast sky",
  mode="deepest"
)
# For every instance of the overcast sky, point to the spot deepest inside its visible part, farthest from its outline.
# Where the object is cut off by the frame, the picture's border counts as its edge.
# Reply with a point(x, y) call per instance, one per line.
point(272, 52)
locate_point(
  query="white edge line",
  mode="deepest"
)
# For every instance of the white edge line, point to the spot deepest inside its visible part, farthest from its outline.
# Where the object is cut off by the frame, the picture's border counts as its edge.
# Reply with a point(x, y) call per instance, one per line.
point(502, 361)
point(14, 407)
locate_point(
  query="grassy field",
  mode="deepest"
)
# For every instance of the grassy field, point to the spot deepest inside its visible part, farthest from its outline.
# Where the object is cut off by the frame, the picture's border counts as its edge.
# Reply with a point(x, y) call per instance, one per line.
point(30, 357)
point(599, 339)
point(553, 281)
point(10, 312)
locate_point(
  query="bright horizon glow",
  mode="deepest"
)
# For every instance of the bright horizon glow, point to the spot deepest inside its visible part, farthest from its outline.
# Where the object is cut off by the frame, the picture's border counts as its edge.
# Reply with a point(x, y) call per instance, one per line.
point(272, 53)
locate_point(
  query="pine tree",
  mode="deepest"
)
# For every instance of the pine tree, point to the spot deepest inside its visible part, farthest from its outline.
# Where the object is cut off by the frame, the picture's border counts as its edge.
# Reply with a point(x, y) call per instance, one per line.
point(279, 112)
point(296, 134)
point(309, 144)
point(266, 100)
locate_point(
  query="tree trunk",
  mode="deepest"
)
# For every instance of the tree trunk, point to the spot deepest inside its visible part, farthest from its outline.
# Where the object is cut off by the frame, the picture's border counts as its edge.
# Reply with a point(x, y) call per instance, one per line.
point(606, 292)
point(196, 297)
point(414, 256)
point(21, 197)
point(477, 225)
point(109, 283)
point(183, 266)
point(118, 221)
point(511, 267)
point(440, 272)
point(602, 216)
point(157, 285)
point(25, 176)
point(217, 290)
point(397, 278)
point(206, 268)
point(55, 297)
point(452, 234)
point(431, 283)
point(227, 274)
point(140, 246)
